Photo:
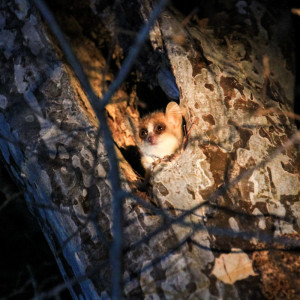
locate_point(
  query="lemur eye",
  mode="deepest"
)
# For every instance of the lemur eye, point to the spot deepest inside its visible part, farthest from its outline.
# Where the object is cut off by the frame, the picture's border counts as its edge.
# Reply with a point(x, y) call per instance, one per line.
point(143, 133)
point(160, 128)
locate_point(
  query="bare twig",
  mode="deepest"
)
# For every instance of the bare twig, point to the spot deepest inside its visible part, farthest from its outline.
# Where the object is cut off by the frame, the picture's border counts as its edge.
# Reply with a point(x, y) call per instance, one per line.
point(117, 194)
point(267, 111)
point(10, 199)
point(134, 51)
point(295, 138)
point(117, 199)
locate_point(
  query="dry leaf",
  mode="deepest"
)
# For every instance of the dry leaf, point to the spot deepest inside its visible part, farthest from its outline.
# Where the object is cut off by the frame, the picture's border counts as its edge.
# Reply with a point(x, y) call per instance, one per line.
point(233, 266)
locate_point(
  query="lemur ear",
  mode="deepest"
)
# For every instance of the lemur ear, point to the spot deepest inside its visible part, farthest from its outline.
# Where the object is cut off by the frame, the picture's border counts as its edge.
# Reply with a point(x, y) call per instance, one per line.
point(174, 114)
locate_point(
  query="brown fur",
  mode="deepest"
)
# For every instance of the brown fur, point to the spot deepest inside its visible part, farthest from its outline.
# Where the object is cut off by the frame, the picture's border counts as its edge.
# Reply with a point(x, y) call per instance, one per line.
point(157, 144)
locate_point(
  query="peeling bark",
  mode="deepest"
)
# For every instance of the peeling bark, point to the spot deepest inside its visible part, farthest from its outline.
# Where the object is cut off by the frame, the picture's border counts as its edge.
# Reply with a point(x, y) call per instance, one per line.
point(232, 195)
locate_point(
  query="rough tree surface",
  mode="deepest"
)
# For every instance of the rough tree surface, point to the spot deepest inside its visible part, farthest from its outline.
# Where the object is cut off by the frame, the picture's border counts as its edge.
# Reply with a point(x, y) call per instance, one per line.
point(220, 219)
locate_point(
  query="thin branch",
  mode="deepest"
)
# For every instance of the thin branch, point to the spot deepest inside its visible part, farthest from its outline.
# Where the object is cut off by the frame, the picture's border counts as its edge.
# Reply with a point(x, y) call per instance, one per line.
point(134, 51)
point(68, 53)
point(117, 195)
point(117, 198)
point(292, 243)
point(219, 192)
point(263, 112)
point(10, 199)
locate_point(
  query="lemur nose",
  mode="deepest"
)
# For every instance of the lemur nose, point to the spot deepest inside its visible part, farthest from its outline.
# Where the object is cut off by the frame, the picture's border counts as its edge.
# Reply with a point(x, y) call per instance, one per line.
point(150, 139)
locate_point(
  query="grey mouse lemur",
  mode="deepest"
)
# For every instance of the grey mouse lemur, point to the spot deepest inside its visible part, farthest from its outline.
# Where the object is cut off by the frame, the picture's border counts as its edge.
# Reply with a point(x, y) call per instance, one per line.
point(160, 134)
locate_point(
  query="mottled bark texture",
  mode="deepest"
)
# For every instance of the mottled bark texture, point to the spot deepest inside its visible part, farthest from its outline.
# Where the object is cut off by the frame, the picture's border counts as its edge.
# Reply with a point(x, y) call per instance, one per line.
point(222, 217)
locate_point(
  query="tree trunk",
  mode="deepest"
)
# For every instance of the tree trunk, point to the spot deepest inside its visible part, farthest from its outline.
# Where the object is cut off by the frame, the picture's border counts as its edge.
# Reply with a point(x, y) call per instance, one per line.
point(219, 220)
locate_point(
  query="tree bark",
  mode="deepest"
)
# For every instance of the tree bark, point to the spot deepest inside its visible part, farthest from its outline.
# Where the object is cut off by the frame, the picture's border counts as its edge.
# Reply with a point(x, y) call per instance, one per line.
point(220, 219)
